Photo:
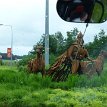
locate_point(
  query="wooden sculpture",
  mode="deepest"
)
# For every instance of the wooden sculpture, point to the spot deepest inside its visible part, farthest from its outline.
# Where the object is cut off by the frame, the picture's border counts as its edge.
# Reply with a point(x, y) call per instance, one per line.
point(37, 65)
point(69, 61)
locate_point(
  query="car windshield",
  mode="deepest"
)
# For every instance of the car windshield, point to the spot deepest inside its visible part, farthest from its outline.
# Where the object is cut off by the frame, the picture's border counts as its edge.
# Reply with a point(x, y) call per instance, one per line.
point(53, 53)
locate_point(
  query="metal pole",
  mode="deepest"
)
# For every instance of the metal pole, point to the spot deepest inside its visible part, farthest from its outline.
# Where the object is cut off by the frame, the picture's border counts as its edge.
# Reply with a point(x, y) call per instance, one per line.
point(11, 41)
point(47, 34)
point(11, 44)
point(11, 58)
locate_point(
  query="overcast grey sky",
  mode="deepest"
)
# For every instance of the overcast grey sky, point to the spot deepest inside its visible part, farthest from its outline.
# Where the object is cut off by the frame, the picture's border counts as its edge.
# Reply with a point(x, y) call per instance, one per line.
point(27, 18)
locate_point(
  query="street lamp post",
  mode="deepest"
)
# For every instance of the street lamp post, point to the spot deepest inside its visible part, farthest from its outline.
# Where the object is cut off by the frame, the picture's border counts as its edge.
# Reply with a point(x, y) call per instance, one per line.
point(11, 40)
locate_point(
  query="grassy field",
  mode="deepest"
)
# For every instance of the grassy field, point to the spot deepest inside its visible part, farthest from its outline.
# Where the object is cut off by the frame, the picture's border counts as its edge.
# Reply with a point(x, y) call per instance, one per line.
point(20, 89)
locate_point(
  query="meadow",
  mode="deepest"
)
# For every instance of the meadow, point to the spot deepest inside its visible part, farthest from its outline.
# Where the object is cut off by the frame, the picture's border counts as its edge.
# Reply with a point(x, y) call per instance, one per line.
point(18, 88)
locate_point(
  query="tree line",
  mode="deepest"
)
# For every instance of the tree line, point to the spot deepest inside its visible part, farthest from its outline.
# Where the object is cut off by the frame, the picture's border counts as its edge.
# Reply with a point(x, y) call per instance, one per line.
point(58, 44)
point(14, 57)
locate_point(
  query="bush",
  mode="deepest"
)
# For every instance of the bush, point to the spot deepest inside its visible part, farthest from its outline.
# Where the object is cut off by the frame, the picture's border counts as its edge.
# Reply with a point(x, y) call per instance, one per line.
point(25, 60)
point(20, 89)
point(52, 59)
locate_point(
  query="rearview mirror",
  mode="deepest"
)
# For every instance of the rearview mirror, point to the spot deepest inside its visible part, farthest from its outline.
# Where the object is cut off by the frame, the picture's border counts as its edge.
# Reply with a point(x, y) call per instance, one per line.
point(87, 11)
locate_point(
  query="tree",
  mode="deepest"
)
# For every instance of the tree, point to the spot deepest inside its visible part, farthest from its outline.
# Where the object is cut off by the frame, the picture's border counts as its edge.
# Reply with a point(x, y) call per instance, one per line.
point(52, 44)
point(71, 37)
point(99, 43)
point(60, 42)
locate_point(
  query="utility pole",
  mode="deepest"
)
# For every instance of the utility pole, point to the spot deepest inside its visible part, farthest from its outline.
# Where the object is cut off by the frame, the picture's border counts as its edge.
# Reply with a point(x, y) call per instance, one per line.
point(47, 34)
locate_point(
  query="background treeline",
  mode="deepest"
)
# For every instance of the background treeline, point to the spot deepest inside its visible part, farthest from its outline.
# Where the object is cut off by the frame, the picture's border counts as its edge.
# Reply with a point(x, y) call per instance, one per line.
point(4, 56)
point(58, 44)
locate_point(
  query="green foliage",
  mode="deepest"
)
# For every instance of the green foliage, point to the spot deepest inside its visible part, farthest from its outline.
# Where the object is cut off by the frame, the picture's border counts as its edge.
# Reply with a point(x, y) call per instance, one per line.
point(71, 37)
point(61, 42)
point(25, 59)
point(21, 89)
point(99, 43)
point(52, 44)
point(52, 58)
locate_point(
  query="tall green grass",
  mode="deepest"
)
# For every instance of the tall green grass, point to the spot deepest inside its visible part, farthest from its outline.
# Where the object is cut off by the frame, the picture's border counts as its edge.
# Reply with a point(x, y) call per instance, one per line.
point(22, 78)
point(21, 89)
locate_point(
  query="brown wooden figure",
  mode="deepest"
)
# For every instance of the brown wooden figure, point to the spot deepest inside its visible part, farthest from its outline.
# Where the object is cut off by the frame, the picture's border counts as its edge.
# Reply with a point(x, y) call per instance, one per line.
point(89, 68)
point(69, 61)
point(37, 64)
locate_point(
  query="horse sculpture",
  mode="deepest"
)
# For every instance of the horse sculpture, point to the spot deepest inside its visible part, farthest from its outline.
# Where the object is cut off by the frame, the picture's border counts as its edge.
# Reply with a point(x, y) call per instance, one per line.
point(37, 65)
point(69, 61)
point(90, 68)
